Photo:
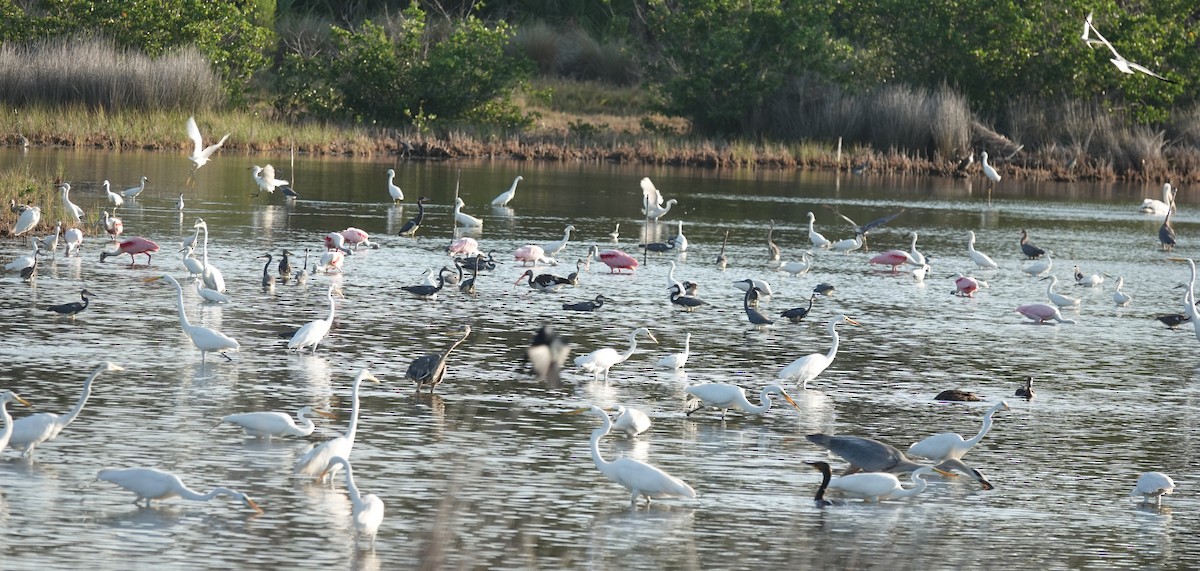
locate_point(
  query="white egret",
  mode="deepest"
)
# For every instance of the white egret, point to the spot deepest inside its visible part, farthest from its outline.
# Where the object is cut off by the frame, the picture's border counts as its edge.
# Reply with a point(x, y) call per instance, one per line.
point(212, 276)
point(553, 248)
point(847, 245)
point(875, 486)
point(640, 478)
point(1189, 297)
point(1124, 65)
point(32, 430)
point(367, 510)
point(1040, 267)
point(1153, 485)
point(948, 445)
point(681, 242)
point(21, 263)
point(314, 331)
point(264, 177)
point(211, 294)
point(153, 484)
point(133, 192)
point(465, 220)
point(982, 260)
point(505, 197)
point(652, 201)
point(599, 362)
point(72, 239)
point(113, 198)
point(630, 420)
point(190, 242)
point(726, 396)
point(616, 233)
point(988, 171)
point(179, 203)
point(870, 455)
point(918, 257)
point(50, 243)
point(808, 367)
point(818, 241)
point(194, 267)
point(797, 268)
point(72, 210)
point(1159, 207)
point(393, 190)
point(677, 360)
point(316, 462)
point(6, 432)
point(200, 153)
point(763, 287)
point(205, 339)
point(27, 220)
point(1057, 298)
point(270, 424)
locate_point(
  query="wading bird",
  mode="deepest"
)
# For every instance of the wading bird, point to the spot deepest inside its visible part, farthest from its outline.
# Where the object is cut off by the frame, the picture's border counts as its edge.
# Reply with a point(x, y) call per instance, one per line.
point(640, 478)
point(870, 455)
point(773, 250)
point(427, 371)
point(861, 231)
point(818, 241)
point(982, 260)
point(946, 445)
point(1057, 298)
point(113, 198)
point(553, 248)
point(1041, 313)
point(725, 396)
point(366, 510)
point(205, 339)
point(617, 260)
point(810, 366)
point(1119, 297)
point(1159, 207)
point(316, 462)
point(1166, 234)
point(505, 197)
point(1153, 485)
point(630, 420)
point(465, 220)
point(153, 484)
point(410, 227)
point(826, 475)
point(874, 486)
point(1026, 391)
point(589, 305)
point(797, 314)
point(270, 424)
point(74, 307)
point(27, 220)
point(677, 361)
point(314, 331)
point(723, 260)
point(599, 362)
point(652, 201)
point(393, 190)
point(32, 430)
point(6, 432)
point(753, 315)
point(133, 192)
point(70, 207)
point(133, 246)
point(1028, 248)
point(1040, 267)
point(543, 282)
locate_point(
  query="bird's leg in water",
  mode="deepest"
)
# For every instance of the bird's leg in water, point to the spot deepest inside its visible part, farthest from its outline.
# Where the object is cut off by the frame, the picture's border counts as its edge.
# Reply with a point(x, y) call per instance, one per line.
point(227, 357)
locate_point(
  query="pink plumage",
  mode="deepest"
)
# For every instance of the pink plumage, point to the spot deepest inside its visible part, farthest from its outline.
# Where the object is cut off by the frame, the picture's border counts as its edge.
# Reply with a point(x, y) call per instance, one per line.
point(529, 254)
point(133, 246)
point(618, 260)
point(355, 237)
point(893, 258)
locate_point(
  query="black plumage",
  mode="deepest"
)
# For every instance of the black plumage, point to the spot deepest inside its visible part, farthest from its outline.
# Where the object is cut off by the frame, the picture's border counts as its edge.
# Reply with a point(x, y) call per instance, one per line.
point(589, 305)
point(410, 227)
point(1166, 234)
point(1028, 249)
point(797, 314)
point(74, 307)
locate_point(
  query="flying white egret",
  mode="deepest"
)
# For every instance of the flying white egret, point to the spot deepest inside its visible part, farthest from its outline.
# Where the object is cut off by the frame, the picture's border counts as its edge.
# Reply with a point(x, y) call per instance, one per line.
point(808, 367)
point(652, 201)
point(32, 430)
point(393, 190)
point(270, 424)
point(948, 445)
point(465, 220)
point(726, 396)
point(200, 153)
point(264, 177)
point(133, 192)
point(72, 210)
point(153, 484)
point(1153, 485)
point(640, 478)
point(630, 420)
point(1124, 65)
point(599, 362)
point(314, 331)
point(982, 260)
point(677, 360)
point(6, 432)
point(367, 510)
point(316, 462)
point(205, 339)
point(505, 197)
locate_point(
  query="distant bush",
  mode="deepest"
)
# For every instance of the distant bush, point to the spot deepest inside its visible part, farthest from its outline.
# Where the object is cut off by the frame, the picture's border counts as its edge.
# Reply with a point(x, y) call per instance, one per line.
point(96, 73)
point(575, 54)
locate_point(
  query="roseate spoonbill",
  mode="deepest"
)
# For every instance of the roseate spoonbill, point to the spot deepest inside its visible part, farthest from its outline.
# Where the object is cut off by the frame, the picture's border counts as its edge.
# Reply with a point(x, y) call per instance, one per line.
point(630, 420)
point(797, 314)
point(1093, 280)
point(355, 237)
point(982, 260)
point(640, 478)
point(1026, 391)
point(893, 258)
point(810, 366)
point(331, 262)
point(27, 220)
point(314, 331)
point(316, 462)
point(652, 201)
point(599, 362)
point(366, 509)
point(1119, 297)
point(154, 484)
point(677, 360)
point(967, 285)
point(113, 226)
point(1166, 234)
point(726, 396)
point(393, 190)
point(271, 424)
point(529, 253)
point(1124, 65)
point(465, 246)
point(1027, 248)
point(73, 238)
point(410, 227)
point(870, 455)
point(72, 210)
point(133, 246)
point(589, 305)
point(818, 241)
point(958, 395)
point(722, 259)
point(773, 250)
point(861, 231)
point(132, 193)
point(988, 171)
point(553, 248)
point(1040, 267)
point(200, 153)
point(205, 339)
point(1056, 298)
point(1159, 207)
point(946, 445)
point(336, 241)
point(826, 475)
point(1153, 485)
point(618, 260)
point(6, 432)
point(427, 371)
point(875, 486)
point(33, 430)
point(1041, 313)
point(543, 282)
point(505, 197)
point(797, 268)
point(74, 307)
point(917, 256)
point(465, 220)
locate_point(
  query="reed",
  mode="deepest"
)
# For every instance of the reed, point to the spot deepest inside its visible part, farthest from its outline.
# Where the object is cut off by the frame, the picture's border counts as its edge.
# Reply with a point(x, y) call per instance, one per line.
point(26, 186)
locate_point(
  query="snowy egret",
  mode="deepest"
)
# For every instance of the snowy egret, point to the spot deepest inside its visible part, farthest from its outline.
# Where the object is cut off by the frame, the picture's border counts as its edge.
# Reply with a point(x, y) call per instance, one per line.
point(27, 220)
point(200, 153)
point(553, 248)
point(70, 207)
point(1057, 298)
point(982, 260)
point(677, 361)
point(808, 367)
point(640, 478)
point(505, 197)
point(115, 199)
point(1119, 297)
point(1092, 280)
point(988, 171)
point(132, 193)
point(1040, 267)
point(630, 420)
point(465, 220)
point(314, 331)
point(818, 241)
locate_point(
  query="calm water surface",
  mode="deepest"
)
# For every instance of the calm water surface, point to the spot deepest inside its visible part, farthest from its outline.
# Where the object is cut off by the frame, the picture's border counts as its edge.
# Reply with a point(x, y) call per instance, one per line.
point(489, 472)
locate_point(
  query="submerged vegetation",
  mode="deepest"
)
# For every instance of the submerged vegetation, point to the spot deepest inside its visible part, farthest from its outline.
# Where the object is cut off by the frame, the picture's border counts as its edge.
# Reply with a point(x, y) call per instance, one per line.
point(711, 82)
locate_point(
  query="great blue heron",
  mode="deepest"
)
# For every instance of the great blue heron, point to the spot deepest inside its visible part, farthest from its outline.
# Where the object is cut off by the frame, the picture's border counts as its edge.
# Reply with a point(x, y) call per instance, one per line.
point(870, 455)
point(428, 371)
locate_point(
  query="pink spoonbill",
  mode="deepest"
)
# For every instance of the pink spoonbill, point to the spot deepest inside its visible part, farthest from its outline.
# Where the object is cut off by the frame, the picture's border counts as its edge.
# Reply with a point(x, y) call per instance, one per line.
point(893, 258)
point(529, 253)
point(1041, 313)
point(355, 237)
point(133, 246)
point(966, 286)
point(618, 260)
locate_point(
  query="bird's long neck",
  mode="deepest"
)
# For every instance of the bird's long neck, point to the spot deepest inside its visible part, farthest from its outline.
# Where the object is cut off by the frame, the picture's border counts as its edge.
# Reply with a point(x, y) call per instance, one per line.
point(205, 228)
point(83, 398)
point(190, 494)
point(632, 347)
point(987, 425)
point(183, 320)
point(455, 344)
point(826, 475)
point(306, 425)
point(267, 267)
point(6, 432)
point(351, 488)
point(833, 349)
point(687, 344)
point(331, 305)
point(917, 479)
point(597, 434)
point(764, 403)
point(353, 428)
point(420, 212)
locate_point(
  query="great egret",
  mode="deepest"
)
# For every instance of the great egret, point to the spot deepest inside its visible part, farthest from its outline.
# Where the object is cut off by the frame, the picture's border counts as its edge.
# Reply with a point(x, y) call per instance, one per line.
point(367, 510)
point(808, 367)
point(410, 227)
point(818, 241)
point(113, 198)
point(681, 242)
point(1153, 485)
point(32, 430)
point(589, 305)
point(1041, 313)
point(543, 282)
point(599, 362)
point(826, 475)
point(726, 396)
point(393, 190)
point(1159, 207)
point(6, 433)
point(270, 424)
point(652, 201)
point(205, 339)
point(153, 484)
point(1040, 267)
point(133, 192)
point(200, 153)
point(1189, 298)
point(947, 445)
point(874, 486)
point(1124, 65)
point(630, 420)
point(70, 207)
point(316, 462)
point(505, 197)
point(640, 478)
point(428, 370)
point(465, 220)
point(74, 307)
point(1057, 298)
point(553, 248)
point(264, 177)
point(870, 455)
point(797, 268)
point(988, 171)
point(1119, 297)
point(27, 220)
point(982, 260)
point(1026, 391)
point(677, 361)
point(1028, 248)
point(212, 276)
point(314, 331)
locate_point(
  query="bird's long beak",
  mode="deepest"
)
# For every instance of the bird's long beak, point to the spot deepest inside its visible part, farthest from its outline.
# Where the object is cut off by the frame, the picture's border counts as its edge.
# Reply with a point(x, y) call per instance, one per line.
point(326, 414)
point(580, 410)
point(22, 401)
point(148, 280)
point(651, 336)
point(790, 401)
point(254, 505)
point(853, 322)
point(945, 473)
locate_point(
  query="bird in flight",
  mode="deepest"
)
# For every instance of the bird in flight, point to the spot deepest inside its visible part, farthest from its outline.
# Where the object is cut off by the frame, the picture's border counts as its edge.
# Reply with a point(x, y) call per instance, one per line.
point(1118, 60)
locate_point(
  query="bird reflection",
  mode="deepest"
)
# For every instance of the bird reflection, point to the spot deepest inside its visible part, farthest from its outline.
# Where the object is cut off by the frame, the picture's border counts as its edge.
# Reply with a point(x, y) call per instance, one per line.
point(145, 518)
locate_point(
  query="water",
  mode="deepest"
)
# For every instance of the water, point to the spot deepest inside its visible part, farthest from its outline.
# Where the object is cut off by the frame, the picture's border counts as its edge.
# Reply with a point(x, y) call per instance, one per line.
point(490, 472)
